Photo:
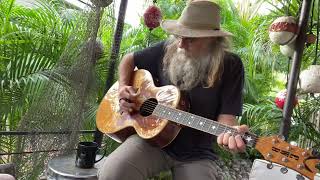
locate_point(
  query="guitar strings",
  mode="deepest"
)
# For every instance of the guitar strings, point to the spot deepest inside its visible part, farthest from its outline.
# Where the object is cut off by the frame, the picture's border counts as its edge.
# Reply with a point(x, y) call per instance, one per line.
point(154, 104)
point(151, 105)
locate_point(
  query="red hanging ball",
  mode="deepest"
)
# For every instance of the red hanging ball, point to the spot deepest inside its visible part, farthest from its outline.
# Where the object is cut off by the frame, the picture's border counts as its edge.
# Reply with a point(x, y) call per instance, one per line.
point(281, 98)
point(311, 38)
point(152, 17)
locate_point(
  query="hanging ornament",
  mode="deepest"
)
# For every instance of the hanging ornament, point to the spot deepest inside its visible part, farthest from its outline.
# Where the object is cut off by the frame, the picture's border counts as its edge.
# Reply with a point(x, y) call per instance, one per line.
point(310, 79)
point(288, 49)
point(152, 17)
point(101, 3)
point(281, 98)
point(311, 38)
point(283, 30)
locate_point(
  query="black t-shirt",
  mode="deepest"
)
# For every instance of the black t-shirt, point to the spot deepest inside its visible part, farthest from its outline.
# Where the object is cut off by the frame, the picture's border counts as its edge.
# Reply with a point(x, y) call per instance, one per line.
point(224, 98)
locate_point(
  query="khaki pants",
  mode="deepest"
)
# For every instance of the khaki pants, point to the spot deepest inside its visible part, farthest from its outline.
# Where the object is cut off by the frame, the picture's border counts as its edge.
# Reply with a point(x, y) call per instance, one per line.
point(135, 159)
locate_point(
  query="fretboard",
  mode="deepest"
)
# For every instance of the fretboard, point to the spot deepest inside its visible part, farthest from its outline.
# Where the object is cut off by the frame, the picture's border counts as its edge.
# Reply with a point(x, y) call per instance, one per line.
point(199, 123)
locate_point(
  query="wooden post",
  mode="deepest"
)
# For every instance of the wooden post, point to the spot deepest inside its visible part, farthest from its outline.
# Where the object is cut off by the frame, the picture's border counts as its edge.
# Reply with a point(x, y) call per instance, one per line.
point(114, 56)
point(295, 69)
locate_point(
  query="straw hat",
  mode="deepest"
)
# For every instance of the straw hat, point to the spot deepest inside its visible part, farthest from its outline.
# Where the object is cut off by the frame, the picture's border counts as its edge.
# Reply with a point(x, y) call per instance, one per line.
point(200, 18)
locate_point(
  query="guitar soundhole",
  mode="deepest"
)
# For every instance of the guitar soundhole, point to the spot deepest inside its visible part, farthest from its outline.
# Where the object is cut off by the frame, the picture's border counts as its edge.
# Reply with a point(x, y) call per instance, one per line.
point(148, 107)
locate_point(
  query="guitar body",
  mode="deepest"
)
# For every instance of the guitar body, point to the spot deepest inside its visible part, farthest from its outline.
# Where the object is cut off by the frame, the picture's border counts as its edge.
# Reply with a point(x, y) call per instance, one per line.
point(157, 131)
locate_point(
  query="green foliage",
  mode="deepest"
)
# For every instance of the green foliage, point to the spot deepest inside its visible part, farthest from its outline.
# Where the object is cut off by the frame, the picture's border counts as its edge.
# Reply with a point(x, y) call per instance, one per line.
point(263, 118)
point(31, 43)
point(304, 123)
point(251, 42)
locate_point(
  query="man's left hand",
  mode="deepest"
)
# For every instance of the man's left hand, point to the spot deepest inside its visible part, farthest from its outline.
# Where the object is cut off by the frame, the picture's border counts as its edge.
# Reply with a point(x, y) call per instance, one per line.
point(233, 143)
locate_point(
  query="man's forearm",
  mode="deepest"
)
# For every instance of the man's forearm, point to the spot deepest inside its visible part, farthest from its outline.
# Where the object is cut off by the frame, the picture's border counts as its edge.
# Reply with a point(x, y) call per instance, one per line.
point(227, 119)
point(126, 68)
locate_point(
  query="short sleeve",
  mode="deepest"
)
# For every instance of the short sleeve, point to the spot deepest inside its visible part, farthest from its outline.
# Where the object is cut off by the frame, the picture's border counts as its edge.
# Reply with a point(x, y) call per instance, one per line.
point(149, 58)
point(232, 86)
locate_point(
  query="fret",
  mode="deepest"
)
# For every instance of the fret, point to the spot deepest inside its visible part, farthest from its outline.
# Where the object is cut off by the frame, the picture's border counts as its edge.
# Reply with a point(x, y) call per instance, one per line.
point(208, 125)
point(217, 129)
point(200, 123)
point(178, 116)
point(195, 122)
point(183, 118)
point(228, 130)
point(158, 111)
point(225, 129)
point(212, 127)
point(175, 116)
point(191, 120)
point(221, 129)
point(234, 132)
point(170, 114)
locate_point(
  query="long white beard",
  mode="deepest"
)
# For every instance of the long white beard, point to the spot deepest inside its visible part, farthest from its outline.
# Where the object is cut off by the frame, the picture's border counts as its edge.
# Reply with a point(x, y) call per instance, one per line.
point(187, 72)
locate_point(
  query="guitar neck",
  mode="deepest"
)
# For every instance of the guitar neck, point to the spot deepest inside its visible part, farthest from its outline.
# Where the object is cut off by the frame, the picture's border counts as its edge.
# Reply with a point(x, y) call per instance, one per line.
point(200, 123)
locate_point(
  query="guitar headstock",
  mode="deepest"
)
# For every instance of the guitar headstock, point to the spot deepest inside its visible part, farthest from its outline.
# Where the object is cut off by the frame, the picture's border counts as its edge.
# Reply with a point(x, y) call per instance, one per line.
point(276, 150)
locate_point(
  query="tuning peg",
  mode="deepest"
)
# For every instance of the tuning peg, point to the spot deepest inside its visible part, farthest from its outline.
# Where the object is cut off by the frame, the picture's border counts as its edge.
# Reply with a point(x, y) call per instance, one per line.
point(274, 141)
point(293, 143)
point(300, 177)
point(284, 159)
point(270, 165)
point(315, 153)
point(281, 137)
point(289, 148)
point(305, 153)
point(300, 166)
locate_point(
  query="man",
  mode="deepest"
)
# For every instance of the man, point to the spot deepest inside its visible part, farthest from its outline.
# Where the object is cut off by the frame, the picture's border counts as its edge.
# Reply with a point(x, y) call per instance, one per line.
point(196, 61)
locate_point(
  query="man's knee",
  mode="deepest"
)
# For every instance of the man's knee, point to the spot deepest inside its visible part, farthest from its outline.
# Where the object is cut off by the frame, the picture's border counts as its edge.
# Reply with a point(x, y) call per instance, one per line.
point(115, 170)
point(105, 174)
point(202, 169)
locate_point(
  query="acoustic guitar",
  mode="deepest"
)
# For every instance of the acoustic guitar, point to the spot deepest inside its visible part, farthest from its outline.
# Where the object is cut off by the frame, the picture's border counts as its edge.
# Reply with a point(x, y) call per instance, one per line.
point(161, 116)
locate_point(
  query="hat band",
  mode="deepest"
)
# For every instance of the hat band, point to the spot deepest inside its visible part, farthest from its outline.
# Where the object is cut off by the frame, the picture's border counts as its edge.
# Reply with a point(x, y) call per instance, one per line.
point(197, 26)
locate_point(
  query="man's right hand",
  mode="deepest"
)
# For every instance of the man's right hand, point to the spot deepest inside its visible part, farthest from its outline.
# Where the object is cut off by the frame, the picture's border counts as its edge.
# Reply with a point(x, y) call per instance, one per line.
point(127, 97)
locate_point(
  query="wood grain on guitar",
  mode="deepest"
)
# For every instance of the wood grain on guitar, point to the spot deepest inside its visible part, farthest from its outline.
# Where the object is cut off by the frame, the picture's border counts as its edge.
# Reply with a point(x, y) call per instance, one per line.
point(158, 131)
point(161, 117)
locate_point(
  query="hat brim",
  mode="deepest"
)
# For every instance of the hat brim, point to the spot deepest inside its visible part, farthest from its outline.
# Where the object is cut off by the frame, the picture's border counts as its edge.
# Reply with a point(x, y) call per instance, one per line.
point(173, 27)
